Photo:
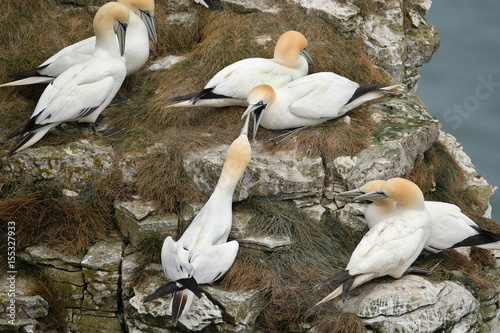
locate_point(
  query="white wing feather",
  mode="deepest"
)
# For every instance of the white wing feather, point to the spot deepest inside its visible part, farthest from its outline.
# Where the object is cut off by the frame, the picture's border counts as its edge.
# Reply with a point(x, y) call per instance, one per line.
point(211, 263)
point(322, 95)
point(238, 79)
point(449, 226)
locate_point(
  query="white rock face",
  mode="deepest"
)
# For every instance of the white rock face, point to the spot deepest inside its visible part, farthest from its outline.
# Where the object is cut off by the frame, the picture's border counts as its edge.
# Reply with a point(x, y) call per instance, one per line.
point(264, 6)
point(74, 162)
point(345, 14)
point(403, 133)
point(139, 222)
point(413, 304)
point(395, 49)
point(267, 174)
point(475, 182)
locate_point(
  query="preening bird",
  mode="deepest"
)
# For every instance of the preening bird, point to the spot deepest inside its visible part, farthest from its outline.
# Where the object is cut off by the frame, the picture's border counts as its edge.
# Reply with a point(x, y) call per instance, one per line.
point(211, 4)
point(136, 53)
point(202, 254)
point(310, 100)
point(83, 91)
point(232, 84)
point(450, 227)
point(392, 245)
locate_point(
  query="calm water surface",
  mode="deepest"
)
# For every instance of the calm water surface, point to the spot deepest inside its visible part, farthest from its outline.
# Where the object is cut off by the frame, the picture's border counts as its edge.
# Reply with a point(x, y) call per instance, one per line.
point(461, 84)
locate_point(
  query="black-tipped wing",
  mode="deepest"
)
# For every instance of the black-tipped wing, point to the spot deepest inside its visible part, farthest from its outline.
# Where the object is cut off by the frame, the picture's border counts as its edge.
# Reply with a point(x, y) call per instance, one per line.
point(195, 97)
point(347, 286)
point(484, 237)
point(29, 73)
point(336, 278)
point(178, 304)
point(172, 287)
point(213, 4)
point(365, 89)
point(164, 290)
point(192, 285)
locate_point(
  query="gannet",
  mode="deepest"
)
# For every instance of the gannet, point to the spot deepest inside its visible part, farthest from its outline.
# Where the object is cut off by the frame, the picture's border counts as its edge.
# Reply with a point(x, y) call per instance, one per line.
point(211, 4)
point(84, 90)
point(136, 53)
point(309, 100)
point(450, 227)
point(379, 210)
point(202, 255)
point(232, 84)
point(392, 245)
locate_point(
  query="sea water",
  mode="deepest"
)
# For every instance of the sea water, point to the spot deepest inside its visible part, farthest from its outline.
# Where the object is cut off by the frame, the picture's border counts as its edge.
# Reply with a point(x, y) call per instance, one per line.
point(461, 84)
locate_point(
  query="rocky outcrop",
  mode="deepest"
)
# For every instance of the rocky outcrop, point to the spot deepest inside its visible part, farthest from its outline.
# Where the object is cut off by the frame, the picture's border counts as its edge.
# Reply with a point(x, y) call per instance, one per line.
point(396, 36)
point(19, 309)
point(90, 284)
point(400, 306)
point(106, 286)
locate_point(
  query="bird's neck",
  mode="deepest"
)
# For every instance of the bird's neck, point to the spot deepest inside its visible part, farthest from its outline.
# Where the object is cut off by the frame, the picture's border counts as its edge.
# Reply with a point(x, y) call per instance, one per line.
point(419, 205)
point(226, 185)
point(106, 43)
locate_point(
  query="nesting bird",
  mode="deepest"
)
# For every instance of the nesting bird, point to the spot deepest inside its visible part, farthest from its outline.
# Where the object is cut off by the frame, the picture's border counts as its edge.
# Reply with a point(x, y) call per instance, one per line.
point(310, 100)
point(450, 227)
point(392, 245)
point(231, 85)
point(136, 54)
point(202, 254)
point(83, 91)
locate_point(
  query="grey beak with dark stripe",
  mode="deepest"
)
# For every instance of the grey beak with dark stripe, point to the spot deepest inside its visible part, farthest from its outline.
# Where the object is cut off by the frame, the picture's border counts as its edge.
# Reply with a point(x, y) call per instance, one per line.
point(148, 21)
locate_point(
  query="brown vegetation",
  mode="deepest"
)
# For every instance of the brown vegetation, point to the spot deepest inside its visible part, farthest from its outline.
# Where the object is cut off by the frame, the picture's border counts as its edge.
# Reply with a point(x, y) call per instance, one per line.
point(286, 277)
point(69, 224)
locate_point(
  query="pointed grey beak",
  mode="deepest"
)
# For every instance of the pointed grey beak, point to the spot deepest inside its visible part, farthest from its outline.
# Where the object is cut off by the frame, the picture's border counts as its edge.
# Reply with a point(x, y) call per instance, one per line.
point(121, 32)
point(371, 196)
point(150, 25)
point(258, 110)
point(350, 194)
point(306, 55)
point(244, 130)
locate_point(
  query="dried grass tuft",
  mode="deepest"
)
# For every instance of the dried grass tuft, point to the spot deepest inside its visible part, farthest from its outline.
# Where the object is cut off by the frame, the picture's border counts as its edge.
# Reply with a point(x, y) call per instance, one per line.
point(286, 277)
point(482, 257)
point(55, 297)
point(43, 215)
point(340, 323)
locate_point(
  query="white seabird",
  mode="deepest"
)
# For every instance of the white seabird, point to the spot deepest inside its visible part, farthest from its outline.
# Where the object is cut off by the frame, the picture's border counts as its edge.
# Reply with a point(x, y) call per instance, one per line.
point(450, 227)
point(83, 91)
point(231, 85)
point(310, 100)
point(136, 53)
point(202, 254)
point(392, 245)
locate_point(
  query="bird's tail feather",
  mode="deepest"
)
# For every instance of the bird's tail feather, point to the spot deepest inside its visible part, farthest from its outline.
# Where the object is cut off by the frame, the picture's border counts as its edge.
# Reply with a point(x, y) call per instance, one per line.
point(164, 290)
point(336, 278)
point(180, 304)
point(183, 100)
point(352, 282)
point(484, 239)
point(29, 139)
point(211, 4)
point(28, 80)
point(28, 73)
point(369, 92)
